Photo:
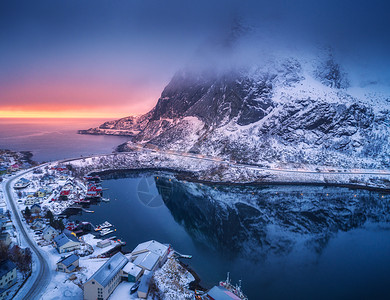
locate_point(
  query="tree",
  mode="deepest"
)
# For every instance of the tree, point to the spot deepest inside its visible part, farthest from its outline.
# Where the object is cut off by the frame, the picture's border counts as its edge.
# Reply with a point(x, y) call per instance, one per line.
point(58, 224)
point(3, 251)
point(27, 212)
point(61, 225)
point(26, 260)
point(22, 258)
point(49, 215)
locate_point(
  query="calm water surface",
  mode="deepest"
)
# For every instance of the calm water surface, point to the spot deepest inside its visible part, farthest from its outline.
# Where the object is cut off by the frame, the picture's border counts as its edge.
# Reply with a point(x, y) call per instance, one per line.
point(284, 242)
point(54, 139)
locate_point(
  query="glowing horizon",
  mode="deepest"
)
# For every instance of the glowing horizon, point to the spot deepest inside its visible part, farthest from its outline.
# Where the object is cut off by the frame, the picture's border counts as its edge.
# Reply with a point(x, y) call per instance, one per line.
point(60, 115)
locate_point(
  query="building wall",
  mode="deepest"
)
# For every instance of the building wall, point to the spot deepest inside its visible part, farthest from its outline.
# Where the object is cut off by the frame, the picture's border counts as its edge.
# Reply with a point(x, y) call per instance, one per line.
point(49, 235)
point(70, 246)
point(91, 290)
point(142, 295)
point(62, 268)
point(8, 279)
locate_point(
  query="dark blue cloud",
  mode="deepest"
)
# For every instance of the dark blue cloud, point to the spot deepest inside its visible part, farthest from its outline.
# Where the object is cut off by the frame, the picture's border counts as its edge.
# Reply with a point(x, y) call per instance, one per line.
point(154, 38)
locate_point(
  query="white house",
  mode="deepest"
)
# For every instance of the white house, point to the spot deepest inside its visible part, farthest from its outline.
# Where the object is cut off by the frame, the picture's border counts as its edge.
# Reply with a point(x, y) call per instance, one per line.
point(66, 242)
point(68, 264)
point(7, 276)
point(131, 272)
point(147, 261)
point(101, 284)
point(31, 201)
point(49, 233)
point(103, 243)
point(150, 255)
point(38, 224)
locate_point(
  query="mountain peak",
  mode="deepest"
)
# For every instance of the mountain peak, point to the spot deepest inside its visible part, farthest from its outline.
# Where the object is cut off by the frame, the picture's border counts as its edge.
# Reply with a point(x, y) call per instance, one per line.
point(288, 110)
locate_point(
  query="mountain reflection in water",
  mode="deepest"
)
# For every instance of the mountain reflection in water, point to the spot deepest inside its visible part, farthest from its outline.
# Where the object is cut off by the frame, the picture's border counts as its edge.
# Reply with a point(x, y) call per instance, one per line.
point(284, 242)
point(257, 221)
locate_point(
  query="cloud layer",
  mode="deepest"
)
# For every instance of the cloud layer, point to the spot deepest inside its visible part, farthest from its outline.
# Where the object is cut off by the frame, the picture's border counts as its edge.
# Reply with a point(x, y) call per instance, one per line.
point(90, 53)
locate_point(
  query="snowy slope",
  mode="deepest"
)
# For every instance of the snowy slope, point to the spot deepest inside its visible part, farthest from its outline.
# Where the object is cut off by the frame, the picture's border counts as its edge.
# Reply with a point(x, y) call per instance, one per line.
point(286, 110)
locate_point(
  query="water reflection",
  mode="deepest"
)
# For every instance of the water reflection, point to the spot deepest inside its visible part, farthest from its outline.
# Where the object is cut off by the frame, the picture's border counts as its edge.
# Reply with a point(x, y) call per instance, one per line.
point(257, 222)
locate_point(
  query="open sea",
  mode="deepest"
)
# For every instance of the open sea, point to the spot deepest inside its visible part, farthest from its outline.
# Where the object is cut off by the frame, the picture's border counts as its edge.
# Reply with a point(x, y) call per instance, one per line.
point(54, 139)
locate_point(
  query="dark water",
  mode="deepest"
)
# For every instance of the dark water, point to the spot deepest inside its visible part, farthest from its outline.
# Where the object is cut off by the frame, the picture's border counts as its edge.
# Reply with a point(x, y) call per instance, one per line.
point(54, 139)
point(284, 242)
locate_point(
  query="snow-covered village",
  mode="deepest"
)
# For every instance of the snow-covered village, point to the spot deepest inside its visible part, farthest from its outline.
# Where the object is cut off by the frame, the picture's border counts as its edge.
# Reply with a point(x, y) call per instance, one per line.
point(84, 259)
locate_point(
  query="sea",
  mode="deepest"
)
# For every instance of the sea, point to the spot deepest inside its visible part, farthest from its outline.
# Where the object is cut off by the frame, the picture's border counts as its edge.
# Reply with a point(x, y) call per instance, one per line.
point(280, 242)
point(55, 139)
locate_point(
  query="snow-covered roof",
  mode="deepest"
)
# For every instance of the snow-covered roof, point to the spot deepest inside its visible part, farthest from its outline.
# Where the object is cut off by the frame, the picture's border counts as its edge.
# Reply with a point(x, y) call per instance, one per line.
point(71, 268)
point(110, 268)
point(64, 238)
point(152, 246)
point(147, 260)
point(67, 261)
point(47, 228)
point(132, 269)
point(144, 285)
point(220, 293)
point(36, 221)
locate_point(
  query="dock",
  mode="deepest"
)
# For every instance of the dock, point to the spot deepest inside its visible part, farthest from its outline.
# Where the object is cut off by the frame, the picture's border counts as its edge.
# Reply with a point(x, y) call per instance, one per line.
point(179, 255)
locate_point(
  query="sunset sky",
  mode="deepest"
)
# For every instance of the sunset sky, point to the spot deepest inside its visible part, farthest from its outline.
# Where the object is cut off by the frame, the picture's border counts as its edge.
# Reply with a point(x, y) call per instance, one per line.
point(113, 58)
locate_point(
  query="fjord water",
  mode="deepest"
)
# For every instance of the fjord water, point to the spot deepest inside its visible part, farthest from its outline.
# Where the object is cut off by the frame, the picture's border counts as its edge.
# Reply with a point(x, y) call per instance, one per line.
point(54, 139)
point(283, 242)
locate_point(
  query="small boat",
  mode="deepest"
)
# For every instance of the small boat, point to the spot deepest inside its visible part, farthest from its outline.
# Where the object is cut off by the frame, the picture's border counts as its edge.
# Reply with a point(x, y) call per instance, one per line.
point(105, 225)
point(123, 243)
point(105, 232)
point(135, 287)
point(236, 290)
point(182, 255)
point(105, 200)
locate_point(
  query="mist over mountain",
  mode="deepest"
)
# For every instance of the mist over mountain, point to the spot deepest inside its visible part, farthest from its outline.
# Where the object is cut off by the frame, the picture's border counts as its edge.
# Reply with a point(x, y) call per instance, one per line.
point(287, 106)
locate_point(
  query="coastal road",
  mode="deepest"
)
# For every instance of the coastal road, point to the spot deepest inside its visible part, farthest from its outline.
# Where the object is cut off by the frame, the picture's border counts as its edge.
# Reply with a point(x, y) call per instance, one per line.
point(241, 165)
point(42, 275)
point(257, 167)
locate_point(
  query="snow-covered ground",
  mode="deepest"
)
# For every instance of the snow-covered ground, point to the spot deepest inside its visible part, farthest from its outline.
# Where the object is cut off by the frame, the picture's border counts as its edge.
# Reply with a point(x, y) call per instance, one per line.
point(172, 281)
point(216, 170)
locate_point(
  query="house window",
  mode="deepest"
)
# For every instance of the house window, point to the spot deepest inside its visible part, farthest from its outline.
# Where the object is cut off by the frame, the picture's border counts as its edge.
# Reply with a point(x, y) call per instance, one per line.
point(93, 282)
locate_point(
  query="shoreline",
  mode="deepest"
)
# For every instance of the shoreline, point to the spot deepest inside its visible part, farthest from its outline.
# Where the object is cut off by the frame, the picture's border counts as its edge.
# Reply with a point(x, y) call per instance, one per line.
point(191, 177)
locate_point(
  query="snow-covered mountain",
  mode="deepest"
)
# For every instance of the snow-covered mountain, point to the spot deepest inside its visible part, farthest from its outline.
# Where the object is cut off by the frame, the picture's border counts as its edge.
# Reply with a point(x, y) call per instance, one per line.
point(284, 110)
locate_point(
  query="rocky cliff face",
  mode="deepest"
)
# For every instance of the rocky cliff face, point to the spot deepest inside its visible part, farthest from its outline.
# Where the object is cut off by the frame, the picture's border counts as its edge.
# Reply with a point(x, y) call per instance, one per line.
point(287, 111)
